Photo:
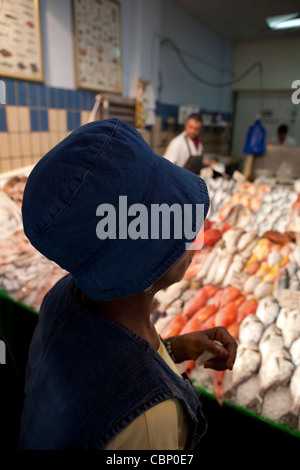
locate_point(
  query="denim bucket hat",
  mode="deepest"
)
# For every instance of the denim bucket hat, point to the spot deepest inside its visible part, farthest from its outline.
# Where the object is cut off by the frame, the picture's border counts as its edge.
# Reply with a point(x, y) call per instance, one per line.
point(82, 209)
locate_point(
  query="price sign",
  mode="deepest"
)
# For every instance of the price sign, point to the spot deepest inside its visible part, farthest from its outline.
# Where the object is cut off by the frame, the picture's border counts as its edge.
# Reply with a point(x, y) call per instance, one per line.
point(289, 299)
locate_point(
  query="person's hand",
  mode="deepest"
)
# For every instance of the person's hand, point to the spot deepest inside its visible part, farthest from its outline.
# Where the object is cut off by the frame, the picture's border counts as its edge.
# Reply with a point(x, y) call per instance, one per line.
point(191, 345)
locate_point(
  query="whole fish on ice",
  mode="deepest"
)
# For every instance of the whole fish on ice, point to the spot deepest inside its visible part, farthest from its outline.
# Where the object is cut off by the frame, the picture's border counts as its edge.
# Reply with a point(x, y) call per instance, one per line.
point(268, 310)
point(251, 329)
point(276, 370)
point(247, 363)
point(271, 341)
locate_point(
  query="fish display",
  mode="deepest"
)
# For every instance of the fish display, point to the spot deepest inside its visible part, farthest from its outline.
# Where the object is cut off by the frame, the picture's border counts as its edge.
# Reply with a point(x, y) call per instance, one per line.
point(250, 263)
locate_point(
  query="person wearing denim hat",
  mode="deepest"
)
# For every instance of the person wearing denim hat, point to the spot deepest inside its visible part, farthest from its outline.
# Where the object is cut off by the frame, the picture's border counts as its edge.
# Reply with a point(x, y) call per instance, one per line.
point(98, 374)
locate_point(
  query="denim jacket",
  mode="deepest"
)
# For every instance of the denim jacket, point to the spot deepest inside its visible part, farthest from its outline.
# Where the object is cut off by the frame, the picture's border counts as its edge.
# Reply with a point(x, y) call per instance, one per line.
point(88, 378)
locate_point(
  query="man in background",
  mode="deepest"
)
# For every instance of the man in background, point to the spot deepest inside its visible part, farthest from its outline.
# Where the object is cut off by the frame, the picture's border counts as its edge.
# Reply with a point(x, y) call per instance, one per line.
point(186, 149)
point(283, 137)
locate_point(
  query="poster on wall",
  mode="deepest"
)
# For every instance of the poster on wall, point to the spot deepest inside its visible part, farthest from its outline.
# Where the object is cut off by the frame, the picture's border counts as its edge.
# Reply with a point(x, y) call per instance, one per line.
point(20, 40)
point(145, 104)
point(97, 41)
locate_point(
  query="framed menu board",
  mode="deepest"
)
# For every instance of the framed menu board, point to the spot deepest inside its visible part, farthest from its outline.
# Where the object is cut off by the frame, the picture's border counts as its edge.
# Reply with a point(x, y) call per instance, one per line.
point(97, 41)
point(20, 40)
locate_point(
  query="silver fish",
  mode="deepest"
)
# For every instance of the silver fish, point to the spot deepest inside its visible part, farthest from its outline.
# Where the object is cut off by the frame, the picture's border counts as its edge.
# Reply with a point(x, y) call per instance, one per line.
point(223, 267)
point(214, 267)
point(295, 351)
point(276, 405)
point(236, 266)
point(295, 391)
point(275, 371)
point(268, 310)
point(206, 265)
point(282, 282)
point(175, 307)
point(271, 341)
point(281, 318)
point(251, 329)
point(291, 327)
point(246, 239)
point(250, 283)
point(231, 238)
point(247, 363)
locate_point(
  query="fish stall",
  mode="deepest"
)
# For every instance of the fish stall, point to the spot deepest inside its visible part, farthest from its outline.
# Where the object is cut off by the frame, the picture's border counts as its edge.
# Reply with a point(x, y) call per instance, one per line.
point(246, 277)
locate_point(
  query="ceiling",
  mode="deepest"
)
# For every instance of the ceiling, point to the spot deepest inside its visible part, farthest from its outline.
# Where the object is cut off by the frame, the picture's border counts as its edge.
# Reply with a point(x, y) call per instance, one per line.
point(240, 20)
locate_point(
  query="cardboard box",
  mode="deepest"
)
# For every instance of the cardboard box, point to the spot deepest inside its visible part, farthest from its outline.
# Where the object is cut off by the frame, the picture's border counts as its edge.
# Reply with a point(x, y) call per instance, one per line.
point(279, 160)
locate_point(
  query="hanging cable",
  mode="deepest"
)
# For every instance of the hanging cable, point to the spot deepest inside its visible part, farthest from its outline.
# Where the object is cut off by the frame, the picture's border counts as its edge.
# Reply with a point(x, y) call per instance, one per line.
point(170, 42)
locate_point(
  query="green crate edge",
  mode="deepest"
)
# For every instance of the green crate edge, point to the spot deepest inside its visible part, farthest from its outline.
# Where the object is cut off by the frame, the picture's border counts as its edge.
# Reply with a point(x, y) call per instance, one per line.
point(4, 295)
point(249, 413)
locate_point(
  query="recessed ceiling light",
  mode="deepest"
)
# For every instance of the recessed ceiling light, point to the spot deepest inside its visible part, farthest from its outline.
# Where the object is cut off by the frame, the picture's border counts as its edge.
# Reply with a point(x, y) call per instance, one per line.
point(284, 21)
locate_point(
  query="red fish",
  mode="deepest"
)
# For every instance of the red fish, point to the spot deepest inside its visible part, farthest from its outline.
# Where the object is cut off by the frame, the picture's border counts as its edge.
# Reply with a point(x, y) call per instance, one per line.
point(187, 367)
point(195, 323)
point(226, 315)
point(195, 303)
point(192, 270)
point(228, 294)
point(246, 308)
point(174, 327)
point(233, 329)
point(211, 236)
point(252, 266)
point(218, 377)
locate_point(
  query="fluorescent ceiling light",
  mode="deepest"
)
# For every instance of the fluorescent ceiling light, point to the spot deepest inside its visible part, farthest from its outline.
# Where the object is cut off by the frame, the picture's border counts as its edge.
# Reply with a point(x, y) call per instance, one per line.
point(284, 21)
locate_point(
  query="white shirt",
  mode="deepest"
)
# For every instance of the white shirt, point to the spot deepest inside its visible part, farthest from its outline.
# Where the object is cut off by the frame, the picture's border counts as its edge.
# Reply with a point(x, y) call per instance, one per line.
point(288, 141)
point(178, 151)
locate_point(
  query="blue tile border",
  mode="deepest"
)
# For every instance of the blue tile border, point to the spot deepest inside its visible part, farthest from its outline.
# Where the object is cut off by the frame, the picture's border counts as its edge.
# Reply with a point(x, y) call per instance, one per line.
point(3, 123)
point(73, 120)
point(23, 94)
point(34, 121)
point(10, 91)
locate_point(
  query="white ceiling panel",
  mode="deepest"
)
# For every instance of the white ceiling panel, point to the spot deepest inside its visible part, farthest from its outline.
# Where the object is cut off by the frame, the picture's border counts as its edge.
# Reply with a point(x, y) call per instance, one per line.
point(240, 20)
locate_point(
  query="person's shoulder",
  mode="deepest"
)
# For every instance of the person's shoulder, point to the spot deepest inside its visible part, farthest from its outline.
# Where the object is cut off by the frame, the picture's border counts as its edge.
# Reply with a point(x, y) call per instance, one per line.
point(59, 293)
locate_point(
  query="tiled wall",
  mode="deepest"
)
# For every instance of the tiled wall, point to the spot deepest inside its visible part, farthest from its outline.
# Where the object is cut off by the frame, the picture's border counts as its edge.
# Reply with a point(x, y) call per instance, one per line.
point(35, 118)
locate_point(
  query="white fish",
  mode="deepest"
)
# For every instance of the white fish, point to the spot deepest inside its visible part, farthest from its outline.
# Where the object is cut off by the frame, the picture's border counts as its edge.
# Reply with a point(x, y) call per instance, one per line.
point(236, 266)
point(281, 318)
point(206, 265)
point(296, 254)
point(271, 341)
point(247, 252)
point(214, 267)
point(167, 296)
point(274, 258)
point(291, 327)
point(294, 283)
point(277, 404)
point(251, 329)
point(245, 240)
point(267, 310)
point(175, 307)
point(188, 294)
point(223, 267)
point(295, 391)
point(275, 371)
point(247, 363)
point(295, 352)
point(263, 289)
point(250, 283)
point(231, 237)
point(292, 268)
